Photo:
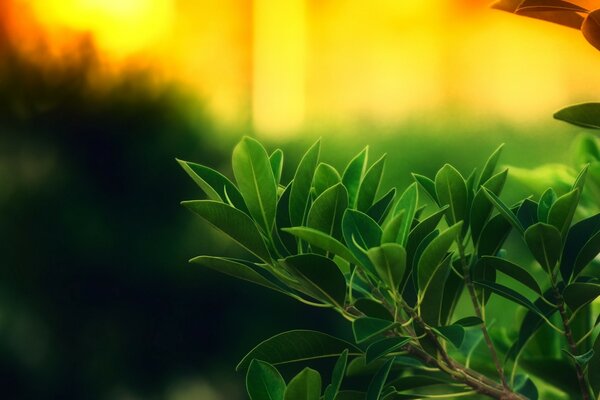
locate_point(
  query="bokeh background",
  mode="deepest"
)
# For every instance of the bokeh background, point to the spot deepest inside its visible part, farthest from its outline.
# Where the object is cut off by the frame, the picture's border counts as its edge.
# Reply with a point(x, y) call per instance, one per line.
point(97, 98)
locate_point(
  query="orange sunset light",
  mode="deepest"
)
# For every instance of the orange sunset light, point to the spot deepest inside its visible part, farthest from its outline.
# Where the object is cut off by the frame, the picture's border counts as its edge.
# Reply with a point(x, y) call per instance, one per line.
point(288, 63)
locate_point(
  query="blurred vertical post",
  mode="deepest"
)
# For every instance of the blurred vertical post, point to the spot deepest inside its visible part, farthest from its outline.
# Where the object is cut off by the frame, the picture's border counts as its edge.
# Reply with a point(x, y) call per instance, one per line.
point(279, 65)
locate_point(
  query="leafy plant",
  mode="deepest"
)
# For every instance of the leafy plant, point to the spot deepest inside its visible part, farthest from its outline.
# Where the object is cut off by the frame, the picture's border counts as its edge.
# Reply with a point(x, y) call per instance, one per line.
point(396, 266)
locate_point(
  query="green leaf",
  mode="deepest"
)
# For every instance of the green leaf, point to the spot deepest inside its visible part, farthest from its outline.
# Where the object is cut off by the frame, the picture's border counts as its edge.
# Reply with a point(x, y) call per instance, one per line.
point(389, 260)
point(490, 166)
point(583, 359)
point(378, 382)
point(481, 208)
point(216, 186)
point(322, 274)
point(545, 244)
point(256, 182)
point(301, 185)
point(430, 305)
point(360, 233)
point(453, 288)
point(509, 294)
point(323, 241)
point(546, 201)
point(326, 212)
point(381, 208)
point(365, 328)
point(579, 294)
point(353, 174)
point(372, 308)
point(391, 231)
point(504, 210)
point(408, 205)
point(580, 179)
point(594, 368)
point(428, 185)
point(384, 346)
point(451, 190)
point(493, 235)
point(510, 269)
point(562, 212)
point(587, 151)
point(586, 115)
point(419, 232)
point(276, 161)
point(304, 386)
point(369, 185)
point(336, 377)
point(264, 382)
point(467, 322)
point(325, 177)
point(298, 345)
point(233, 222)
point(235, 269)
point(434, 254)
point(452, 333)
point(588, 253)
point(578, 236)
point(527, 213)
point(284, 240)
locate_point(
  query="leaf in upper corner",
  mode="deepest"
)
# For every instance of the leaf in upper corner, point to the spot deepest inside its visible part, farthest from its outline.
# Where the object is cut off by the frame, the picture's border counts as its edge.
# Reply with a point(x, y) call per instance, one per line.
point(562, 211)
point(322, 274)
point(263, 382)
point(296, 346)
point(216, 186)
point(579, 234)
point(365, 328)
point(353, 175)
point(325, 177)
point(304, 386)
point(546, 201)
point(337, 375)
point(579, 294)
point(490, 166)
point(545, 244)
point(360, 233)
point(434, 254)
point(511, 269)
point(591, 31)
point(377, 384)
point(451, 190)
point(235, 223)
point(322, 241)
point(428, 185)
point(276, 161)
point(326, 211)
point(256, 182)
point(407, 205)
point(303, 178)
point(389, 260)
point(382, 207)
point(383, 347)
point(586, 115)
point(481, 208)
point(369, 185)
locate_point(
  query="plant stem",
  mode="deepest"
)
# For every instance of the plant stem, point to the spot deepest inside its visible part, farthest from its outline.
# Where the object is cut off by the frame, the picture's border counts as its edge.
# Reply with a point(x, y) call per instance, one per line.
point(479, 314)
point(585, 394)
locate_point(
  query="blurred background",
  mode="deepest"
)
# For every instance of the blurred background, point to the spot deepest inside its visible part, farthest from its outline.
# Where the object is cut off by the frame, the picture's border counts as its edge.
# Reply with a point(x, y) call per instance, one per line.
point(97, 98)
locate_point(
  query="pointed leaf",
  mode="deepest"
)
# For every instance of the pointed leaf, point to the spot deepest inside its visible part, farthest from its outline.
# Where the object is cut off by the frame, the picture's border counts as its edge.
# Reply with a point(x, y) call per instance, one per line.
point(256, 182)
point(527, 213)
point(326, 212)
point(467, 322)
point(509, 294)
point(378, 382)
point(372, 308)
point(452, 333)
point(233, 222)
point(586, 115)
point(430, 305)
point(360, 233)
point(434, 254)
point(408, 205)
point(546, 201)
point(304, 386)
point(481, 207)
point(562, 211)
point(369, 185)
point(365, 328)
point(264, 382)
point(323, 274)
point(336, 377)
point(493, 235)
point(382, 207)
point(276, 161)
point(419, 232)
point(490, 165)
point(353, 174)
point(579, 234)
point(504, 210)
point(282, 220)
point(510, 269)
point(428, 185)
point(325, 177)
point(545, 244)
point(323, 241)
point(298, 345)
point(391, 231)
point(579, 294)
point(384, 346)
point(301, 185)
point(588, 253)
point(389, 260)
point(451, 190)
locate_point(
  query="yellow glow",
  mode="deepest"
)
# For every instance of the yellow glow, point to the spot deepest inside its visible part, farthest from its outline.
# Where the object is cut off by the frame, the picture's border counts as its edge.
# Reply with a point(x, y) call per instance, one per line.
point(118, 26)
